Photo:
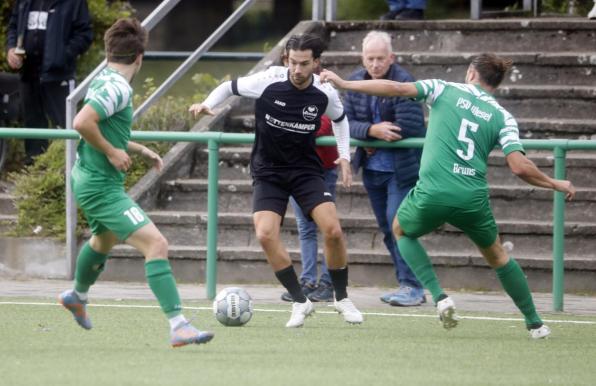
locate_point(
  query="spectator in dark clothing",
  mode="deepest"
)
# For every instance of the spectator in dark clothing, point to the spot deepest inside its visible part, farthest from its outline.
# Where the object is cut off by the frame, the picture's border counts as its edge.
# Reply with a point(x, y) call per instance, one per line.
point(388, 174)
point(405, 10)
point(44, 40)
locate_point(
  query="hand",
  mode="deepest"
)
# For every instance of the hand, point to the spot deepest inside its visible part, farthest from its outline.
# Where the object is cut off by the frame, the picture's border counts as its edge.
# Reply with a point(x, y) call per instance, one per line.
point(331, 77)
point(346, 172)
point(385, 131)
point(199, 108)
point(14, 61)
point(119, 159)
point(153, 157)
point(565, 187)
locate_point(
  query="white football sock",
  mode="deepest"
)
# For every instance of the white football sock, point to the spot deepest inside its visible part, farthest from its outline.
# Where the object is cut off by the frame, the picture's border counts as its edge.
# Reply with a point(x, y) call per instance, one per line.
point(177, 321)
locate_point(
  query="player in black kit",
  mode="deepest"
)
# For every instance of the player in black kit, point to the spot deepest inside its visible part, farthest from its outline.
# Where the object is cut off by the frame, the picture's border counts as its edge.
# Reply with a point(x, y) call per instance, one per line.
point(289, 104)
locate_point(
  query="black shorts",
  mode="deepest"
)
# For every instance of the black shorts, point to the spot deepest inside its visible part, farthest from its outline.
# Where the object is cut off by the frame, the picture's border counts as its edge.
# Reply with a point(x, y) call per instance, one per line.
point(272, 192)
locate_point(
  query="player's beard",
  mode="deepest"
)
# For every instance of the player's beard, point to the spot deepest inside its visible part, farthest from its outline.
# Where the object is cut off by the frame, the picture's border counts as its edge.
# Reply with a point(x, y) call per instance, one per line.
point(301, 81)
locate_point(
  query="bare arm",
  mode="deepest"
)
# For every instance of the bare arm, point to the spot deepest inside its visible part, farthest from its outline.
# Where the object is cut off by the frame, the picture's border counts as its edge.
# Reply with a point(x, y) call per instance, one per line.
point(379, 87)
point(86, 123)
point(147, 153)
point(525, 169)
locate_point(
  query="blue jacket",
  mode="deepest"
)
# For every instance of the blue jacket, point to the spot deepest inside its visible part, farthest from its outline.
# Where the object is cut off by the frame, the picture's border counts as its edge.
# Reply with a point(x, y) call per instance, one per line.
point(404, 112)
point(68, 35)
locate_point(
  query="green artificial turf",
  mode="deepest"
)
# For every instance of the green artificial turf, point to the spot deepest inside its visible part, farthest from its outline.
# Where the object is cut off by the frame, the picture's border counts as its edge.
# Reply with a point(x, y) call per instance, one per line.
point(42, 345)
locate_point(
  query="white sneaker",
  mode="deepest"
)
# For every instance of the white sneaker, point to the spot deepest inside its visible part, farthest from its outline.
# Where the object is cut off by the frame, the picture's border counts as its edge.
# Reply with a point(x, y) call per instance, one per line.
point(299, 312)
point(540, 332)
point(592, 14)
point(348, 310)
point(446, 311)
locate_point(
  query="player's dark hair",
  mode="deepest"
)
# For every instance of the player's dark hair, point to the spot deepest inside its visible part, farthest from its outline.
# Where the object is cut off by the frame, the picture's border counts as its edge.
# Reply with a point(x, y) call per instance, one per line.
point(125, 40)
point(306, 42)
point(491, 68)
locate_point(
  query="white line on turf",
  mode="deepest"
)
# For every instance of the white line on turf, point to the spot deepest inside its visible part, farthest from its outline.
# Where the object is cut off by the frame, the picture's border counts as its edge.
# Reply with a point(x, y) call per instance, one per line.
point(502, 319)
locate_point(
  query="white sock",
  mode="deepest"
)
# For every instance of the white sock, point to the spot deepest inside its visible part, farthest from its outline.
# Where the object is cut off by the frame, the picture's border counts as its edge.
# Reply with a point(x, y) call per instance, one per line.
point(176, 321)
point(82, 295)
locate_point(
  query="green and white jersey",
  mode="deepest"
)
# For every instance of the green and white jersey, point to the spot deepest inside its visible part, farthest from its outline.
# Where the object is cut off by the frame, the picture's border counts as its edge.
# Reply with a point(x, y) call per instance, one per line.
point(465, 124)
point(110, 95)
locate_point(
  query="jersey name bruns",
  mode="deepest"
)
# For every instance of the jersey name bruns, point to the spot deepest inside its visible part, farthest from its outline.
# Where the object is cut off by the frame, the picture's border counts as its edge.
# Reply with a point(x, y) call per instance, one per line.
point(296, 127)
point(457, 169)
point(467, 105)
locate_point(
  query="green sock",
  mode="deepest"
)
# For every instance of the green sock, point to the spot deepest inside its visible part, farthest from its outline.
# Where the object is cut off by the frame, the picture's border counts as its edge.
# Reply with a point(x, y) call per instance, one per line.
point(515, 284)
point(162, 283)
point(419, 262)
point(90, 264)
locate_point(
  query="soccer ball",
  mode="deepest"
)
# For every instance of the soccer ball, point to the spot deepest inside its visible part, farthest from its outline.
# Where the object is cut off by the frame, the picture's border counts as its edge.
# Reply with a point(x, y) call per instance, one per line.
point(233, 306)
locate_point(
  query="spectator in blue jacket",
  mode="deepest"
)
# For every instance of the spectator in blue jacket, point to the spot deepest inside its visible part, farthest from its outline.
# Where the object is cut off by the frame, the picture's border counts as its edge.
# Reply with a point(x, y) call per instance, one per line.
point(405, 10)
point(44, 39)
point(388, 174)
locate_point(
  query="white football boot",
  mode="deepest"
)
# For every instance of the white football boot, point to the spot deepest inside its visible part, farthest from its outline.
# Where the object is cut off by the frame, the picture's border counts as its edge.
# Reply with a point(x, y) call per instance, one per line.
point(446, 311)
point(348, 311)
point(540, 332)
point(299, 312)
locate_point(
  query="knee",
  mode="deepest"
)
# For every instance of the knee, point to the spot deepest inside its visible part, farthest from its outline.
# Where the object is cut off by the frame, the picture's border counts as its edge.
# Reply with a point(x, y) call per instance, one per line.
point(397, 230)
point(265, 235)
point(333, 233)
point(159, 246)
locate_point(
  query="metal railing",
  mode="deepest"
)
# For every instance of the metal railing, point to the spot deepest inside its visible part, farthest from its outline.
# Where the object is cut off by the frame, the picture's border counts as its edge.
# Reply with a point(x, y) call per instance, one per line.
point(324, 10)
point(214, 139)
point(71, 102)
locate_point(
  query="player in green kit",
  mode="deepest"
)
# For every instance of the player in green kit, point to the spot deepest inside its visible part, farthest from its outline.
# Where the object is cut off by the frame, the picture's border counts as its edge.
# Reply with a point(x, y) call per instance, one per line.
point(465, 124)
point(104, 124)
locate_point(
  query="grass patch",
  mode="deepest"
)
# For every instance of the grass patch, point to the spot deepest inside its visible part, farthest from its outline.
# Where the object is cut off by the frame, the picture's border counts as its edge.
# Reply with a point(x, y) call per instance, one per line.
point(43, 345)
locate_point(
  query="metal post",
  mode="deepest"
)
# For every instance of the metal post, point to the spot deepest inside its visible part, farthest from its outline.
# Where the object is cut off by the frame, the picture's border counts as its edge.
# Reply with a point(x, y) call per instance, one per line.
point(318, 8)
point(70, 153)
point(331, 10)
point(71, 208)
point(475, 9)
point(212, 192)
point(559, 233)
point(527, 5)
point(188, 63)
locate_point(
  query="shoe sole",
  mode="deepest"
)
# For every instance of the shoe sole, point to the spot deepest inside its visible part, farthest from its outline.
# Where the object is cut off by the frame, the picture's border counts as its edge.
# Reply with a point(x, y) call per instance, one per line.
point(448, 318)
point(206, 338)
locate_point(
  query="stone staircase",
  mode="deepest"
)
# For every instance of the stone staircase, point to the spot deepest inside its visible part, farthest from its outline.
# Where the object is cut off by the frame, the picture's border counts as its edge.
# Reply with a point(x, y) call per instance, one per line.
point(551, 91)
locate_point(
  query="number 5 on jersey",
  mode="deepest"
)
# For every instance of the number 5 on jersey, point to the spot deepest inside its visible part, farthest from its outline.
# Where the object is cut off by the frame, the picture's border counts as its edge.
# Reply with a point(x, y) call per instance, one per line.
point(463, 131)
point(134, 215)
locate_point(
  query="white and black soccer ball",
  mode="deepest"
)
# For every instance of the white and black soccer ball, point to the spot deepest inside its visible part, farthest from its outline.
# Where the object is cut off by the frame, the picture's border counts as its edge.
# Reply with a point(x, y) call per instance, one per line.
point(233, 306)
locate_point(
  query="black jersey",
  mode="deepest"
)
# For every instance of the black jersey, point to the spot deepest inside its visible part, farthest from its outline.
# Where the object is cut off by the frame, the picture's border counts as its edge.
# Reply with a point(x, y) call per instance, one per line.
point(287, 119)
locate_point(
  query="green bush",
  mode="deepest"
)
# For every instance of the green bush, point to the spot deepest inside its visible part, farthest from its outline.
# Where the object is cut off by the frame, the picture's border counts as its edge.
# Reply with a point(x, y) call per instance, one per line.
point(40, 188)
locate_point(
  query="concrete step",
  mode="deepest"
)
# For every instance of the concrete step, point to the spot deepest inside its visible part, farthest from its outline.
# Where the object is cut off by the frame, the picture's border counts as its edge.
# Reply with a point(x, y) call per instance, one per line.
point(530, 128)
point(558, 68)
point(562, 35)
point(580, 166)
point(236, 196)
point(248, 265)
point(236, 229)
point(7, 204)
point(548, 101)
point(7, 223)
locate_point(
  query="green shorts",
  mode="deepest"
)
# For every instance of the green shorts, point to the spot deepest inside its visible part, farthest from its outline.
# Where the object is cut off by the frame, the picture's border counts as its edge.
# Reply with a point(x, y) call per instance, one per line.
point(419, 216)
point(106, 205)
